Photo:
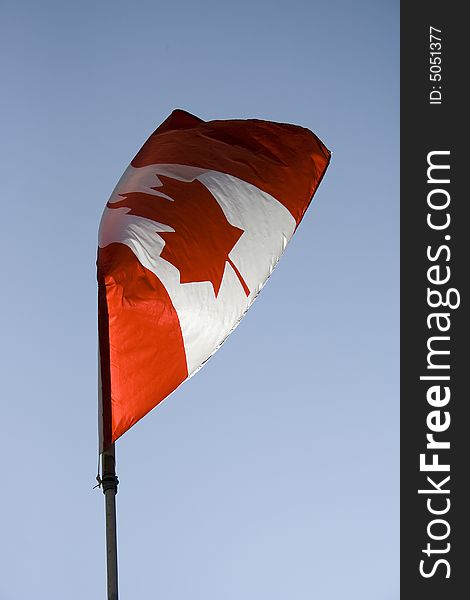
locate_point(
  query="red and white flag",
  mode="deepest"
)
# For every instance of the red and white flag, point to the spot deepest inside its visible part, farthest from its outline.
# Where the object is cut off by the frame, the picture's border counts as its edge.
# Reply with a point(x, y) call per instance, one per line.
point(187, 240)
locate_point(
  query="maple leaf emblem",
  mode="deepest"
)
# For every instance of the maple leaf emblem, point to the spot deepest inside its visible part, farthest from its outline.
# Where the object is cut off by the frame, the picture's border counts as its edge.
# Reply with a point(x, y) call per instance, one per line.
point(202, 238)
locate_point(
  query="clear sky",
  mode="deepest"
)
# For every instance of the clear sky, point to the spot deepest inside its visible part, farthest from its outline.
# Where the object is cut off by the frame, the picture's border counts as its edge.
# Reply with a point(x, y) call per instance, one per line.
point(273, 473)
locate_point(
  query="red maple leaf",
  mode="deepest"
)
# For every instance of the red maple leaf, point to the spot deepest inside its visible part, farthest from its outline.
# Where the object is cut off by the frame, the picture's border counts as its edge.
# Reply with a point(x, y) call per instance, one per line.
point(203, 238)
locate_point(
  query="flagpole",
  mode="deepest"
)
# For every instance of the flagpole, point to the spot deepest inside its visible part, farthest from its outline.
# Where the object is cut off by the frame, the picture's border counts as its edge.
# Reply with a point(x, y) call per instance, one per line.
point(110, 484)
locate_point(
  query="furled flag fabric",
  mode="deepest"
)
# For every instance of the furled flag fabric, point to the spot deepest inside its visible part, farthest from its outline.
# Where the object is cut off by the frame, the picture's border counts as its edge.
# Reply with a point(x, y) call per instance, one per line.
point(187, 240)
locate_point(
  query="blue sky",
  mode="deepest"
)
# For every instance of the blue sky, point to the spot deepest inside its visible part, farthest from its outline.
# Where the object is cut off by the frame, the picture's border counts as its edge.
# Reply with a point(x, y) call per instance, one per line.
point(273, 473)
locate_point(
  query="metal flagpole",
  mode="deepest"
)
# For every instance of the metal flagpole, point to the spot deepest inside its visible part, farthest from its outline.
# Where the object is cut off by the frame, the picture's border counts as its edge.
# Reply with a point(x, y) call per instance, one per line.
point(109, 483)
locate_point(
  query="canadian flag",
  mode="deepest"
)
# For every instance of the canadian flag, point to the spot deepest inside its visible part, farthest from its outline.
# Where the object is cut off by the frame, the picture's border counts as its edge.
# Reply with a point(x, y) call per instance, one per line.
point(187, 240)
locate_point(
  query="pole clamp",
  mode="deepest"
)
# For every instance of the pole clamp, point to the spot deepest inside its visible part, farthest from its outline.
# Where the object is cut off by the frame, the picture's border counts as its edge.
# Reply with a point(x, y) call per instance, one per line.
point(109, 481)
